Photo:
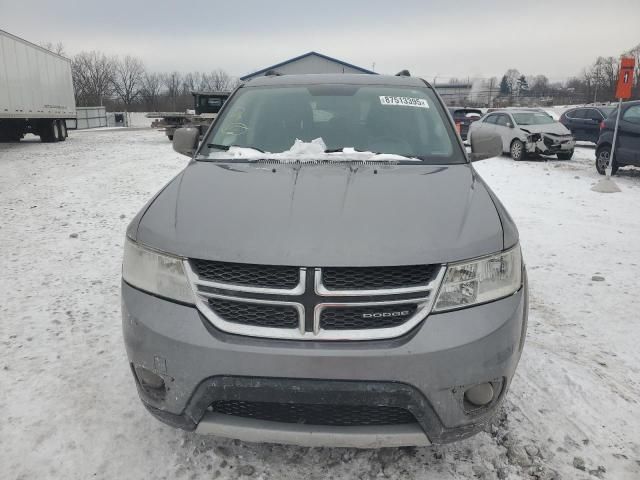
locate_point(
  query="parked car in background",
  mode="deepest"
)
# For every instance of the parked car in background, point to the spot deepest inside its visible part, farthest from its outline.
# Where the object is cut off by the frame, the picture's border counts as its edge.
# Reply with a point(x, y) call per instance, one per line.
point(527, 131)
point(627, 151)
point(463, 118)
point(370, 291)
point(584, 122)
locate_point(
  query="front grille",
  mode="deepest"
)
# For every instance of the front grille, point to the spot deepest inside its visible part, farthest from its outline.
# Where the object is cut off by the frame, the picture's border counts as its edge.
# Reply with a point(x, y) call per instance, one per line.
point(255, 314)
point(360, 318)
point(313, 303)
point(246, 274)
point(312, 414)
point(364, 278)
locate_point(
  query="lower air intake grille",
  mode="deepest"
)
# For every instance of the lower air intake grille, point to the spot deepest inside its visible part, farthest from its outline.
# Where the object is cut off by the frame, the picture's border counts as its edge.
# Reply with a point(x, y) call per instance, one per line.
point(254, 314)
point(358, 318)
point(246, 274)
point(309, 414)
point(364, 278)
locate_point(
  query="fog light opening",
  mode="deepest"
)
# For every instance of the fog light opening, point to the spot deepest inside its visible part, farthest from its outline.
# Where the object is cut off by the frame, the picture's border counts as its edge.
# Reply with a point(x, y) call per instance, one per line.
point(149, 380)
point(480, 395)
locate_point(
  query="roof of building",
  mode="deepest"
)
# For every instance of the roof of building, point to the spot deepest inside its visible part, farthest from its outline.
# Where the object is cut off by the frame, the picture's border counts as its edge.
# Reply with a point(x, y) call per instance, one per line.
point(219, 93)
point(308, 54)
point(336, 78)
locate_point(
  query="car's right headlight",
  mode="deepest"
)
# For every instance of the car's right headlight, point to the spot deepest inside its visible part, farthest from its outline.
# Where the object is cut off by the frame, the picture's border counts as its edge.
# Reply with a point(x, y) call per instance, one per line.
point(480, 280)
point(156, 273)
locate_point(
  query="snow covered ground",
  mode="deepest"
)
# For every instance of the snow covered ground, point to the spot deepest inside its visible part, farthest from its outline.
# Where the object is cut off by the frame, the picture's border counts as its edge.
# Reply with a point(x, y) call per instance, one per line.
point(68, 402)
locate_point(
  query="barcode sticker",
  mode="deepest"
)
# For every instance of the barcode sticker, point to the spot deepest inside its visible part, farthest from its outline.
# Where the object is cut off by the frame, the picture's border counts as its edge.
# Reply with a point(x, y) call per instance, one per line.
point(404, 101)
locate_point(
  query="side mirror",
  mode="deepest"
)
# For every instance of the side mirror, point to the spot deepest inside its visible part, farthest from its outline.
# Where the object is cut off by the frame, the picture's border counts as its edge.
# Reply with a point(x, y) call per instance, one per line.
point(484, 145)
point(509, 124)
point(185, 140)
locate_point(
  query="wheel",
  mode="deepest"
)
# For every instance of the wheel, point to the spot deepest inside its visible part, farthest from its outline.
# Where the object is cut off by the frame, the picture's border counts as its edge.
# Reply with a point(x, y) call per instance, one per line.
point(49, 131)
point(565, 155)
point(602, 160)
point(517, 150)
point(62, 130)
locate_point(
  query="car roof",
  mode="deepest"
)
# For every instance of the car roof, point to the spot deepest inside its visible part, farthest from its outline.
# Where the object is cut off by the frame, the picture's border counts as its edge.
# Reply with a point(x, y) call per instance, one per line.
point(336, 78)
point(597, 107)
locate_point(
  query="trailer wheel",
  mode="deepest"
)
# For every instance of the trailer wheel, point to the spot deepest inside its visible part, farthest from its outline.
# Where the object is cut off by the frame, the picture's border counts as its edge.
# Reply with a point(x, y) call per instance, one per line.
point(62, 130)
point(49, 131)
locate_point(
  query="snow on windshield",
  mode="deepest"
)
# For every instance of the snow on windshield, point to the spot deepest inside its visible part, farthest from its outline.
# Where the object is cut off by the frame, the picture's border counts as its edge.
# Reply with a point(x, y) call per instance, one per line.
point(315, 150)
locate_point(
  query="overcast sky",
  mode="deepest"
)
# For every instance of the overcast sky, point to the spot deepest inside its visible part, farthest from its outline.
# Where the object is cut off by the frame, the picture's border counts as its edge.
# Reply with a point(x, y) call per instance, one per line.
point(431, 38)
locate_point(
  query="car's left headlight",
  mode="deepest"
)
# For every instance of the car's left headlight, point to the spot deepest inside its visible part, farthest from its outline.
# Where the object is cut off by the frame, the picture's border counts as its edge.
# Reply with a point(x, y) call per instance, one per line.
point(156, 273)
point(481, 280)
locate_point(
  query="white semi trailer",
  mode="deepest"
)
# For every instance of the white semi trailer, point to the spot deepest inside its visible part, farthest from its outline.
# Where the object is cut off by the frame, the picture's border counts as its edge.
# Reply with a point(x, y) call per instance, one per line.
point(36, 91)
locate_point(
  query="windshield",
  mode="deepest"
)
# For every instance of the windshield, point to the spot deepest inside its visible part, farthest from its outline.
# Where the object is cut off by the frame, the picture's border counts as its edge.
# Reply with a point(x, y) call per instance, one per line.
point(408, 123)
point(532, 118)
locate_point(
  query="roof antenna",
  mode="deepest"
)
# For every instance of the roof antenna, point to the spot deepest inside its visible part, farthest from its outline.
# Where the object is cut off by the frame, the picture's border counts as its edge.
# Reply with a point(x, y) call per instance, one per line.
point(403, 73)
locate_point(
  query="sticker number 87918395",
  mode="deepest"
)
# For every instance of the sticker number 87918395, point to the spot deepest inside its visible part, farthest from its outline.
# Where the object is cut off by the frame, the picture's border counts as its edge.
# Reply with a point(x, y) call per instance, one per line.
point(404, 101)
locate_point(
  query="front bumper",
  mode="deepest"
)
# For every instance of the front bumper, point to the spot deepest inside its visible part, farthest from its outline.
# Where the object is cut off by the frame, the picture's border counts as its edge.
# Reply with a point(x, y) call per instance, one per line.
point(547, 145)
point(425, 371)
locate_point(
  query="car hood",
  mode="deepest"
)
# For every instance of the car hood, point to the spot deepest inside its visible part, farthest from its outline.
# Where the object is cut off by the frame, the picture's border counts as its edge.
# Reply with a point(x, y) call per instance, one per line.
point(324, 215)
point(556, 128)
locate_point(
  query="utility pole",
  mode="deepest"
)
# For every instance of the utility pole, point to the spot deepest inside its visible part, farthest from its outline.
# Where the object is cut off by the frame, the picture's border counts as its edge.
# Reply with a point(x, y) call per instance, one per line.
point(490, 102)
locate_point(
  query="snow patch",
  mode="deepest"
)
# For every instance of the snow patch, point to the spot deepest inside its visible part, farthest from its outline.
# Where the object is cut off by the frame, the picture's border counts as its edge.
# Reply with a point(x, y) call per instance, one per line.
point(301, 151)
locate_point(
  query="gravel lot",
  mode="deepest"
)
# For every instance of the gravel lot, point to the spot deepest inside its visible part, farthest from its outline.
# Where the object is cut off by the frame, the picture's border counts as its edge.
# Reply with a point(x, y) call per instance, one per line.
point(68, 402)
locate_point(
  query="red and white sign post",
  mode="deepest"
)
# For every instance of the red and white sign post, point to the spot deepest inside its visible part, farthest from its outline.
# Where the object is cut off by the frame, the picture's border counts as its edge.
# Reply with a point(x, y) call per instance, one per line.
point(623, 91)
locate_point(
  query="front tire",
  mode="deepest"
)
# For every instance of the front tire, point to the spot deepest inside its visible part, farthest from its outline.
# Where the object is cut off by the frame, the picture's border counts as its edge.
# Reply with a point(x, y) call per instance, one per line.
point(565, 155)
point(517, 150)
point(602, 160)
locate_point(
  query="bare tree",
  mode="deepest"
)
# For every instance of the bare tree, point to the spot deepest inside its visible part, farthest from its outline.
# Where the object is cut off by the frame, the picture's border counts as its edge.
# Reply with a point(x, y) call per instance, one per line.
point(93, 74)
point(191, 82)
point(150, 88)
point(204, 83)
point(219, 80)
point(539, 84)
point(58, 48)
point(172, 81)
point(127, 79)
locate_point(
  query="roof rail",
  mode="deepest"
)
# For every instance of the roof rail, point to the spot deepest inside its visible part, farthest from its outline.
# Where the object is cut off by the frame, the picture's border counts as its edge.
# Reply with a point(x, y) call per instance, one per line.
point(272, 73)
point(403, 73)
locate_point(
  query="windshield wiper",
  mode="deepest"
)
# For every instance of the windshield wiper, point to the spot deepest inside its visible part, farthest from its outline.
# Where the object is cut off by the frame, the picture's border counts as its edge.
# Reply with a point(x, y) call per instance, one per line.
point(339, 150)
point(227, 147)
point(218, 147)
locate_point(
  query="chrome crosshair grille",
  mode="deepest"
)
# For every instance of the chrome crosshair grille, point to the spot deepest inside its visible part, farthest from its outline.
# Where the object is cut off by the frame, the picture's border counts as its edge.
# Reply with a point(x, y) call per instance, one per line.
point(337, 303)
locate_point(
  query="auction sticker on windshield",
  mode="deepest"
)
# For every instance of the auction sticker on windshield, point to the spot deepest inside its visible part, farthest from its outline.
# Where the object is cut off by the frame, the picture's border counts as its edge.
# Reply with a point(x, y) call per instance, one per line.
point(404, 101)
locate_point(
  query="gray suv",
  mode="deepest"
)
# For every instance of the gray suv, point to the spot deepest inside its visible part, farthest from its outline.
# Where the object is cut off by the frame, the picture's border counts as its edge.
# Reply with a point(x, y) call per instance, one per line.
point(329, 269)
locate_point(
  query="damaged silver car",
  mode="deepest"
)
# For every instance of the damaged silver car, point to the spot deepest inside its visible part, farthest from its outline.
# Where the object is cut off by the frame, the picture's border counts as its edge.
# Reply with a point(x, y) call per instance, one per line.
point(528, 131)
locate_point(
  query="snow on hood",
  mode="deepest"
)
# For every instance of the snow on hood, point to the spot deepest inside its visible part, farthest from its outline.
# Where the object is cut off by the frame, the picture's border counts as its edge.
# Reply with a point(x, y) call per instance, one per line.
point(307, 151)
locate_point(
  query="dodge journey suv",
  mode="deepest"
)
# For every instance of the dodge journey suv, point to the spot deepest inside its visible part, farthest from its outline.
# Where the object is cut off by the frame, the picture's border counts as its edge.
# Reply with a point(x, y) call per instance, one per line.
point(329, 269)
